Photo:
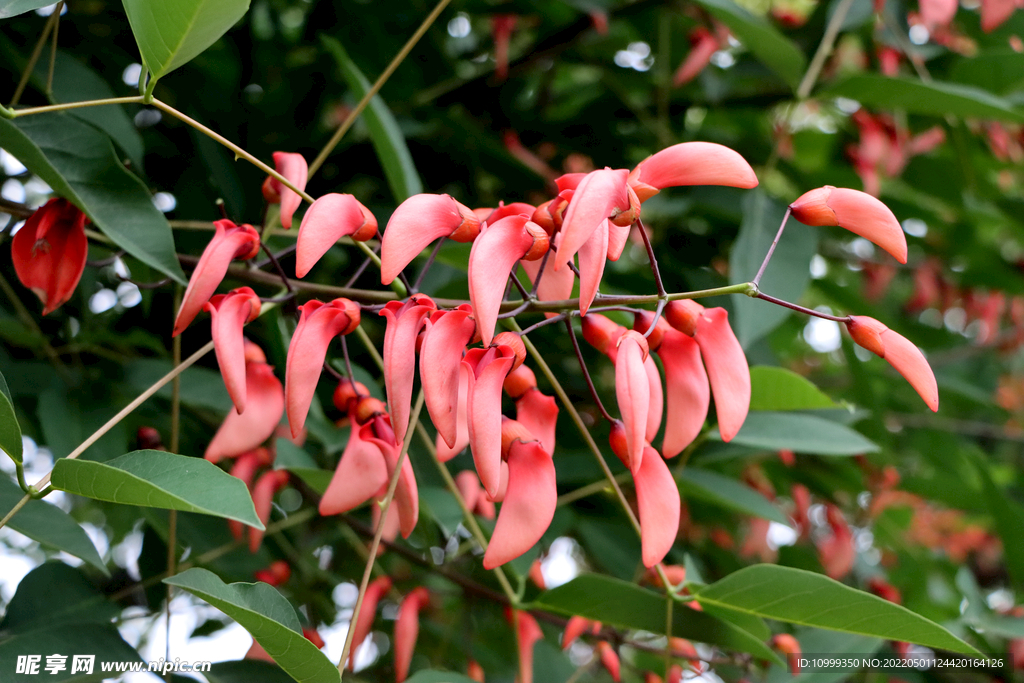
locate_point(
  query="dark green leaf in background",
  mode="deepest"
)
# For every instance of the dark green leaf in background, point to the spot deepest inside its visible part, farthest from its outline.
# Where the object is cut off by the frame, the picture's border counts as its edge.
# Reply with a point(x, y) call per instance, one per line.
point(162, 480)
point(780, 389)
point(800, 433)
point(79, 163)
point(717, 489)
point(10, 430)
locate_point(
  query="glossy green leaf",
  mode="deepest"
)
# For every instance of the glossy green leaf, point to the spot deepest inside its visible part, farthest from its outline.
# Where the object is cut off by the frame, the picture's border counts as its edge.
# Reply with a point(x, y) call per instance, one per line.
point(33, 605)
point(387, 138)
point(799, 433)
point(69, 416)
point(268, 616)
point(780, 389)
point(997, 71)
point(79, 163)
point(247, 671)
point(625, 605)
point(48, 524)
point(170, 33)
point(809, 599)
point(917, 97)
point(12, 8)
point(788, 272)
point(10, 430)
point(438, 677)
point(730, 494)
point(772, 48)
point(161, 480)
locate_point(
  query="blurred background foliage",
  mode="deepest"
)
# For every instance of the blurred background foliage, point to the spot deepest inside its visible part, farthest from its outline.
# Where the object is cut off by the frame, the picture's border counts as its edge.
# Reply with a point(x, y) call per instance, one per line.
point(926, 115)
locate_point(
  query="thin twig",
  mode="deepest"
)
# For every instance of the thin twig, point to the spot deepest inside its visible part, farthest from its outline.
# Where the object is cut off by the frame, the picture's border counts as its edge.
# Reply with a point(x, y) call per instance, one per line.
point(426, 266)
point(53, 49)
point(277, 266)
point(650, 255)
point(771, 249)
point(824, 49)
point(36, 51)
point(803, 309)
point(586, 373)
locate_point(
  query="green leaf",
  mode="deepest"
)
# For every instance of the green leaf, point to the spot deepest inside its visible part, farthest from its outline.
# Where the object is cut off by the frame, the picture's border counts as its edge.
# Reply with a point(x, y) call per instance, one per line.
point(776, 51)
point(714, 488)
point(1009, 522)
point(33, 604)
point(10, 430)
point(997, 71)
point(799, 433)
point(917, 97)
point(387, 137)
point(12, 8)
point(161, 480)
point(625, 605)
point(172, 32)
point(48, 524)
point(809, 599)
point(69, 417)
point(787, 274)
point(101, 640)
point(815, 640)
point(247, 671)
point(79, 163)
point(781, 389)
point(438, 677)
point(268, 616)
point(316, 479)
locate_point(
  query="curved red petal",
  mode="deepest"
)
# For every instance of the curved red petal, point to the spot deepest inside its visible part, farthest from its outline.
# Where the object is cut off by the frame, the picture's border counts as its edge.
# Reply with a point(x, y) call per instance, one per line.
point(444, 452)
point(417, 222)
point(228, 314)
point(593, 255)
point(864, 215)
point(262, 498)
point(49, 252)
point(360, 474)
point(406, 498)
point(529, 504)
point(618, 236)
point(727, 368)
point(294, 168)
point(264, 407)
point(633, 392)
point(330, 218)
point(687, 391)
point(555, 285)
point(596, 196)
point(494, 254)
point(657, 404)
point(539, 414)
point(574, 628)
point(528, 633)
point(469, 487)
point(229, 240)
point(362, 622)
point(407, 629)
point(399, 352)
point(486, 373)
point(908, 360)
point(319, 323)
point(444, 340)
point(696, 163)
point(657, 498)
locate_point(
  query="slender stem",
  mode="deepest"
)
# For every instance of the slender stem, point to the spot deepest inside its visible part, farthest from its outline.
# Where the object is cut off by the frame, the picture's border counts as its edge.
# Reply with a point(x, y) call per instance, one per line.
point(586, 373)
point(385, 506)
point(657, 316)
point(277, 266)
point(802, 309)
point(669, 610)
point(519, 285)
point(139, 400)
point(361, 268)
point(426, 266)
point(75, 105)
point(172, 519)
point(375, 88)
point(824, 49)
point(287, 251)
point(467, 514)
point(771, 249)
point(53, 49)
point(332, 372)
point(589, 490)
point(654, 261)
point(348, 362)
point(548, 321)
point(17, 506)
point(36, 51)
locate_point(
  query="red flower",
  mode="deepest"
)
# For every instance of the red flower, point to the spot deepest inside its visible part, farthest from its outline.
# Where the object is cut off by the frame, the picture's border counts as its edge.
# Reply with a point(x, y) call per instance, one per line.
point(330, 218)
point(293, 167)
point(49, 252)
point(899, 352)
point(229, 313)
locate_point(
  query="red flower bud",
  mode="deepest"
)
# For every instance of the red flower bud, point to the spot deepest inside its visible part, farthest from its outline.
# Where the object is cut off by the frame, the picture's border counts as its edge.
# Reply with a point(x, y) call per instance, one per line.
point(49, 252)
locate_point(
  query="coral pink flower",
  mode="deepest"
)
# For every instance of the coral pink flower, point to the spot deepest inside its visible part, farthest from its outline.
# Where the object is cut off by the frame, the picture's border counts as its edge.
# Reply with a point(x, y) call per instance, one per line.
point(293, 167)
point(360, 475)
point(527, 634)
point(726, 365)
point(362, 621)
point(245, 468)
point(837, 553)
point(995, 12)
point(378, 430)
point(267, 485)
point(276, 574)
point(856, 211)
point(539, 414)
point(576, 627)
point(691, 163)
point(474, 671)
point(502, 26)
point(555, 285)
point(789, 646)
point(610, 660)
point(469, 487)
point(528, 505)
point(633, 391)
point(49, 252)
point(598, 195)
point(444, 451)
point(899, 352)
point(687, 392)
point(495, 253)
point(937, 13)
point(330, 218)
point(319, 323)
point(417, 222)
point(404, 322)
point(444, 339)
point(228, 314)
point(703, 44)
point(486, 371)
point(229, 242)
point(407, 628)
point(241, 432)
